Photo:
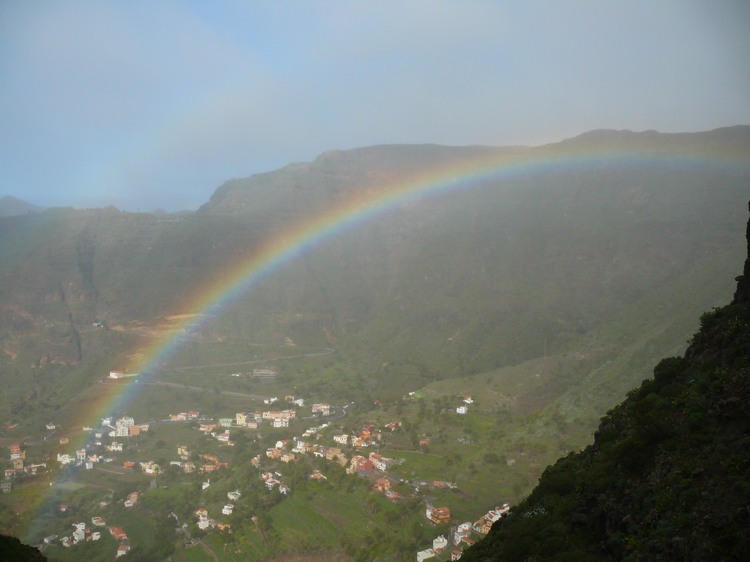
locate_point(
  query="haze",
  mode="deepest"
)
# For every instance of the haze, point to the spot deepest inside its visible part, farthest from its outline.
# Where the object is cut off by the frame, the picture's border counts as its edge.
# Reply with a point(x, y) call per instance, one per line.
point(147, 105)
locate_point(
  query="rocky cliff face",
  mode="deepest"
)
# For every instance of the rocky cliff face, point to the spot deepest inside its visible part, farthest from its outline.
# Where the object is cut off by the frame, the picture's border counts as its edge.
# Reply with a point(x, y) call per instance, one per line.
point(668, 474)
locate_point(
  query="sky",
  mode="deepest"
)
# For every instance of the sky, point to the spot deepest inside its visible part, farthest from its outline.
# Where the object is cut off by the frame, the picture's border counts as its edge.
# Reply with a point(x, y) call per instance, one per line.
point(152, 105)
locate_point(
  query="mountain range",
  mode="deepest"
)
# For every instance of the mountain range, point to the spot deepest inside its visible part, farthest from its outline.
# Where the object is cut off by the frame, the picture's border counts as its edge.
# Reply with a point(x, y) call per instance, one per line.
point(609, 257)
point(546, 282)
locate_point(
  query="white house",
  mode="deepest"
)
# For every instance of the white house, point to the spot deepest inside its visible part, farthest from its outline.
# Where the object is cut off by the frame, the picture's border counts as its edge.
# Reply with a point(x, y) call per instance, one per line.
point(64, 458)
point(80, 533)
point(234, 496)
point(461, 410)
point(425, 554)
point(323, 409)
point(463, 530)
point(439, 543)
point(228, 509)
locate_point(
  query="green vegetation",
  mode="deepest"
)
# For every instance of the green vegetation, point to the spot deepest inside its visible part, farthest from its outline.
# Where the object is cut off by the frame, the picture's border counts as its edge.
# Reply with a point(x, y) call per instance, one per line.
point(667, 476)
point(545, 298)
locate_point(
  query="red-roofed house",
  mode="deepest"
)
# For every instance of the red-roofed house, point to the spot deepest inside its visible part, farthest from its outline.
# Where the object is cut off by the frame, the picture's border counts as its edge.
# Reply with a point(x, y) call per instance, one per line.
point(118, 533)
point(381, 485)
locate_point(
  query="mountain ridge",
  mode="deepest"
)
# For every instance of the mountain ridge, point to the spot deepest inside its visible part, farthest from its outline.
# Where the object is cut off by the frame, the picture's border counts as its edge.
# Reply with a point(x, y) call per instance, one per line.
point(587, 243)
point(12, 206)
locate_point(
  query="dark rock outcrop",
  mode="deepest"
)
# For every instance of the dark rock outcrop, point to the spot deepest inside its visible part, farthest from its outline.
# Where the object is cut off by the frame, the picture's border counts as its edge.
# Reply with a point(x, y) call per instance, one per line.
point(13, 550)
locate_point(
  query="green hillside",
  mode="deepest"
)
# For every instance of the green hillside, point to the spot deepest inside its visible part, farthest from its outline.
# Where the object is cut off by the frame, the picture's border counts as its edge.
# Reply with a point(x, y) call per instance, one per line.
point(545, 294)
point(668, 474)
point(607, 258)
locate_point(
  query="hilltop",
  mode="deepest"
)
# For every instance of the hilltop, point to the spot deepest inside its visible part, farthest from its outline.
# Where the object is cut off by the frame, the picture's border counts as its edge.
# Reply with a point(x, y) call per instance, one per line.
point(667, 477)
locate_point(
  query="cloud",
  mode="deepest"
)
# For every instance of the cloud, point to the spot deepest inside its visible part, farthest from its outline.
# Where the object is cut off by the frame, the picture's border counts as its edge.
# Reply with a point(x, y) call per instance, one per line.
point(159, 102)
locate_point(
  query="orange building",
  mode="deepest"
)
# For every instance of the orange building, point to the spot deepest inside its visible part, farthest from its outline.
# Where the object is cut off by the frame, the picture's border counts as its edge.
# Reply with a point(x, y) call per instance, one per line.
point(439, 515)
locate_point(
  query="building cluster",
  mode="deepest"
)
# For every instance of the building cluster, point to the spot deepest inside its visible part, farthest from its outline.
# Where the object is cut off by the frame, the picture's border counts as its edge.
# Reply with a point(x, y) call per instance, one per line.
point(20, 467)
point(206, 462)
point(464, 535)
point(124, 427)
point(83, 533)
point(249, 420)
point(346, 449)
point(271, 480)
point(132, 499)
point(205, 522)
point(463, 408)
point(87, 456)
point(439, 544)
point(484, 523)
point(185, 416)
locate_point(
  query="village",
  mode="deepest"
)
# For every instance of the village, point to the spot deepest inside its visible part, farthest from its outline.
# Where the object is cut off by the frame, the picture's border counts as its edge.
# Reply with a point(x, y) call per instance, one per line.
point(356, 452)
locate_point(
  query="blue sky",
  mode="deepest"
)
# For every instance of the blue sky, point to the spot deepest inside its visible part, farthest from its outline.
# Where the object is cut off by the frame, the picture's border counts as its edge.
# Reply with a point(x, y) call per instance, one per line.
point(146, 105)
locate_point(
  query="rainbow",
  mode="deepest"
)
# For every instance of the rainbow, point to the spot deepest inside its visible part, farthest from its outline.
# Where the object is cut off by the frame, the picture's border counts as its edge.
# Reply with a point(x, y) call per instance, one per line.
point(314, 231)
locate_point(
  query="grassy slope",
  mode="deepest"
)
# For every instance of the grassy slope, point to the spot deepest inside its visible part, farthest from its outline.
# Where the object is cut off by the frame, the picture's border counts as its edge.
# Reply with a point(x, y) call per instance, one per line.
point(666, 477)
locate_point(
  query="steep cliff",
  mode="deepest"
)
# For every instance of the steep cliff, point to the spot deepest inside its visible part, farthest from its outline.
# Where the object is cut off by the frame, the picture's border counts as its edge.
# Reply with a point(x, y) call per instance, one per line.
point(668, 474)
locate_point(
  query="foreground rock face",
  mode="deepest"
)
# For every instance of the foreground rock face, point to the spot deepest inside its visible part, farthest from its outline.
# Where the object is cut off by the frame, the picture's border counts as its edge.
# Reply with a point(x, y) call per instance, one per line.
point(13, 550)
point(668, 475)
